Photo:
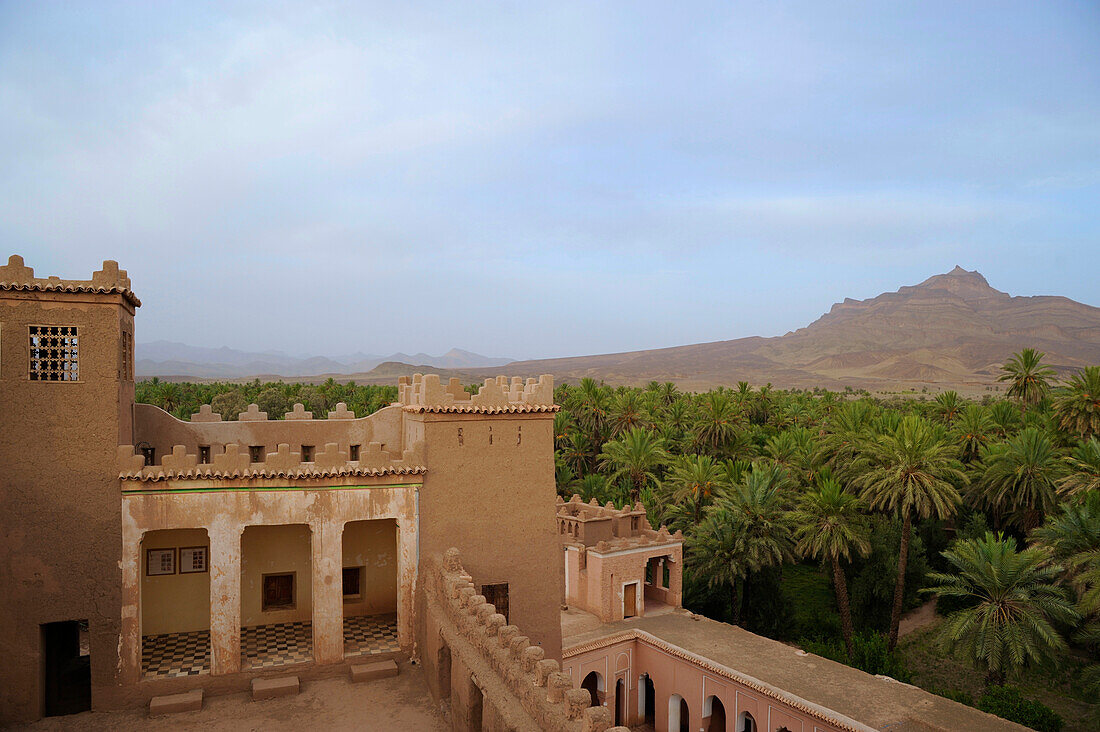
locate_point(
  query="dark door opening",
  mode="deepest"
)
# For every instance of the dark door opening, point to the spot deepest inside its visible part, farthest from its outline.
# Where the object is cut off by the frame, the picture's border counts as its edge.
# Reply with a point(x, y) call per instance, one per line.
point(650, 701)
point(68, 671)
point(717, 716)
point(620, 702)
point(591, 684)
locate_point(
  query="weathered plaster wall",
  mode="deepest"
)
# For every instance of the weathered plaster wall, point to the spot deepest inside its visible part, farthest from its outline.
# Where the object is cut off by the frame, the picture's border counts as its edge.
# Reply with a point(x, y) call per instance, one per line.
point(174, 603)
point(275, 550)
point(60, 545)
point(492, 492)
point(372, 545)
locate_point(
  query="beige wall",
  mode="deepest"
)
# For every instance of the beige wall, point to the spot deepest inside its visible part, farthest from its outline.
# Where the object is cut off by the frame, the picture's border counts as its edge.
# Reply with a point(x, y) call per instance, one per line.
point(174, 603)
point(372, 545)
point(61, 545)
point(495, 502)
point(275, 550)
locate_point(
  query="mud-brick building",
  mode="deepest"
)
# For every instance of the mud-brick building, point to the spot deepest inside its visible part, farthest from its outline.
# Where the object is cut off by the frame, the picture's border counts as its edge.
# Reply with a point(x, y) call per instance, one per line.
point(143, 557)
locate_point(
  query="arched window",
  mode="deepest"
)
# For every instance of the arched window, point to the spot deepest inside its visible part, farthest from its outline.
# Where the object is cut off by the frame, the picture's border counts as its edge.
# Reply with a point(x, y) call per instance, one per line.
point(745, 723)
point(716, 712)
point(679, 716)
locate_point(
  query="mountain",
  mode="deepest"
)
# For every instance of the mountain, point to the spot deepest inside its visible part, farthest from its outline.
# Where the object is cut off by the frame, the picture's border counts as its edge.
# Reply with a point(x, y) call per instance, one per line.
point(951, 331)
point(168, 359)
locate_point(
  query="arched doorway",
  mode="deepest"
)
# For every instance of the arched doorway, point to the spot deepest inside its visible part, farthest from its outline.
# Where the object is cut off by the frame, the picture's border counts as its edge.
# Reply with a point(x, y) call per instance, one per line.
point(745, 723)
point(620, 702)
point(443, 667)
point(679, 716)
point(713, 709)
point(593, 683)
point(647, 700)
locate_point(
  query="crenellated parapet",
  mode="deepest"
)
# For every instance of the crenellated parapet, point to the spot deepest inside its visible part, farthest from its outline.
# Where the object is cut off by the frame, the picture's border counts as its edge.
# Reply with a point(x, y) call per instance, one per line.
point(426, 393)
point(238, 462)
point(481, 638)
point(607, 528)
point(110, 279)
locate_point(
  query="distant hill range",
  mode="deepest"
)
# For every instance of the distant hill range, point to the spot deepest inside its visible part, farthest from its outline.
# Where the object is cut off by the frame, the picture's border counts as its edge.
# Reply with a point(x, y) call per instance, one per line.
point(952, 330)
point(177, 360)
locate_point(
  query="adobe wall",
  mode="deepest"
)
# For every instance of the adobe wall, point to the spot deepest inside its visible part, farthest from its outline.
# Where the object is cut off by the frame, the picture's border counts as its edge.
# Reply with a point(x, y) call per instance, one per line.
point(675, 672)
point(162, 431)
point(60, 548)
point(496, 500)
point(491, 675)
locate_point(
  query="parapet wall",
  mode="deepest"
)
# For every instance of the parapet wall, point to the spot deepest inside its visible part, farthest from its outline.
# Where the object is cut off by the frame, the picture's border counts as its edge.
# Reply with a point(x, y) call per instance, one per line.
point(18, 277)
point(494, 677)
point(425, 393)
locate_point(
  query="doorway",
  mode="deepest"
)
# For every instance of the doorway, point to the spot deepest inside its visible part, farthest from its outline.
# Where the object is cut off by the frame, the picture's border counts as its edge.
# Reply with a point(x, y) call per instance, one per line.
point(67, 665)
point(630, 600)
point(620, 702)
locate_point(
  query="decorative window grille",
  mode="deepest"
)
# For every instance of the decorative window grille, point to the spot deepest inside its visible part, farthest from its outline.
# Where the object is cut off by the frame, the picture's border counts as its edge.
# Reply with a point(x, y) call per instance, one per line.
point(55, 353)
point(193, 559)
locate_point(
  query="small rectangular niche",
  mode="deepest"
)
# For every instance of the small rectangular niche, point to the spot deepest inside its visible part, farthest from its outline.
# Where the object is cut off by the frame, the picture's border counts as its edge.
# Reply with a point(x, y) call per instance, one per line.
point(150, 455)
point(353, 583)
point(497, 595)
point(256, 453)
point(353, 453)
point(307, 453)
point(204, 454)
point(278, 592)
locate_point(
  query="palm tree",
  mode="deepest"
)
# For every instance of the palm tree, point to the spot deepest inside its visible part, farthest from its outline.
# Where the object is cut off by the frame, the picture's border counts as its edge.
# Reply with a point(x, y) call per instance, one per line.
point(1083, 465)
point(746, 529)
point(948, 406)
point(717, 426)
point(1077, 406)
point(1027, 376)
point(830, 526)
point(636, 456)
point(1006, 418)
point(1015, 601)
point(1072, 531)
point(626, 412)
point(1020, 480)
point(691, 482)
point(972, 431)
point(577, 452)
point(910, 472)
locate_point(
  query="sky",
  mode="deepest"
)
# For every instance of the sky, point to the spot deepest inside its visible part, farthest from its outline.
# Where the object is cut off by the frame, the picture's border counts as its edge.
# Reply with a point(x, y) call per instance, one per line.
point(544, 179)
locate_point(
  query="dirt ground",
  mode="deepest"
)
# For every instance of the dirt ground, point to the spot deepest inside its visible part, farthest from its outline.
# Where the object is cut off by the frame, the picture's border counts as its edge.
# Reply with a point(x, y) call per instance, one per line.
point(398, 703)
point(917, 618)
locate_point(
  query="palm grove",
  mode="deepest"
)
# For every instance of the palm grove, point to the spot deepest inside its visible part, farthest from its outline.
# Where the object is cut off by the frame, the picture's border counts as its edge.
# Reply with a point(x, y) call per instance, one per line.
point(993, 506)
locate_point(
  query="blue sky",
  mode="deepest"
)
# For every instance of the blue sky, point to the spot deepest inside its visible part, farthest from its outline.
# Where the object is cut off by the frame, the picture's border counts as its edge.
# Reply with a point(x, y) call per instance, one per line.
point(544, 179)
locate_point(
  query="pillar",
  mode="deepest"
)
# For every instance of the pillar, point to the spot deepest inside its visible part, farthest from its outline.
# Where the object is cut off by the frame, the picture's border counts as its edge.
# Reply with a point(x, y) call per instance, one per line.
point(327, 546)
point(130, 640)
point(407, 550)
point(225, 595)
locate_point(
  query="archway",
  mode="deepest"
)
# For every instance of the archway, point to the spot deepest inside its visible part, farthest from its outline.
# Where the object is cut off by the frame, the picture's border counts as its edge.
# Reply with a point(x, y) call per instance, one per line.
point(745, 723)
point(620, 702)
point(679, 716)
point(593, 683)
point(647, 702)
point(369, 579)
point(716, 712)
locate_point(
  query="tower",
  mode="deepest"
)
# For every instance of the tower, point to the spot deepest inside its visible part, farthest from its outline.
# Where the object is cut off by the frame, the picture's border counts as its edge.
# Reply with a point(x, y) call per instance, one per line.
point(66, 403)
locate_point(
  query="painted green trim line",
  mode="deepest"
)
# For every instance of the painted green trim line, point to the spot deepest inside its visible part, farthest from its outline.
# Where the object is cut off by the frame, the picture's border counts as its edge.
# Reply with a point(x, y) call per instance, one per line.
point(277, 488)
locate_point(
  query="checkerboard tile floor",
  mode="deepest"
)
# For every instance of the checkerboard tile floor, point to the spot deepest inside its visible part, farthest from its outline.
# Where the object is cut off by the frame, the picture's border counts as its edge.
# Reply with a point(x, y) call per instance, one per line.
point(368, 634)
point(175, 654)
point(265, 646)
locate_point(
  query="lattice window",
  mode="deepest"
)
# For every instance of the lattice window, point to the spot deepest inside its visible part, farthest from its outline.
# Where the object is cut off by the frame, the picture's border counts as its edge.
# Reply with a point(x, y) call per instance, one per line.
point(126, 356)
point(55, 353)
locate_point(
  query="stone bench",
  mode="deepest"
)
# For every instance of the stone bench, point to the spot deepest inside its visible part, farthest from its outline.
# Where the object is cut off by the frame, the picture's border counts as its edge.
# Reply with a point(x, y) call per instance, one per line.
point(371, 671)
point(271, 688)
point(189, 701)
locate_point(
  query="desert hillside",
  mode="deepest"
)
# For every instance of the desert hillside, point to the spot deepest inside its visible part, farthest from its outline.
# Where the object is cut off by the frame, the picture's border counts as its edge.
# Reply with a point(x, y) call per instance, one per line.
point(951, 331)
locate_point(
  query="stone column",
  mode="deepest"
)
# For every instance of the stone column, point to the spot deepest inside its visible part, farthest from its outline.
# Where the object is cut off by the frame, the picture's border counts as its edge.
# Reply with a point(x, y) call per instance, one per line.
point(130, 640)
point(327, 543)
point(225, 595)
point(676, 582)
point(406, 575)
